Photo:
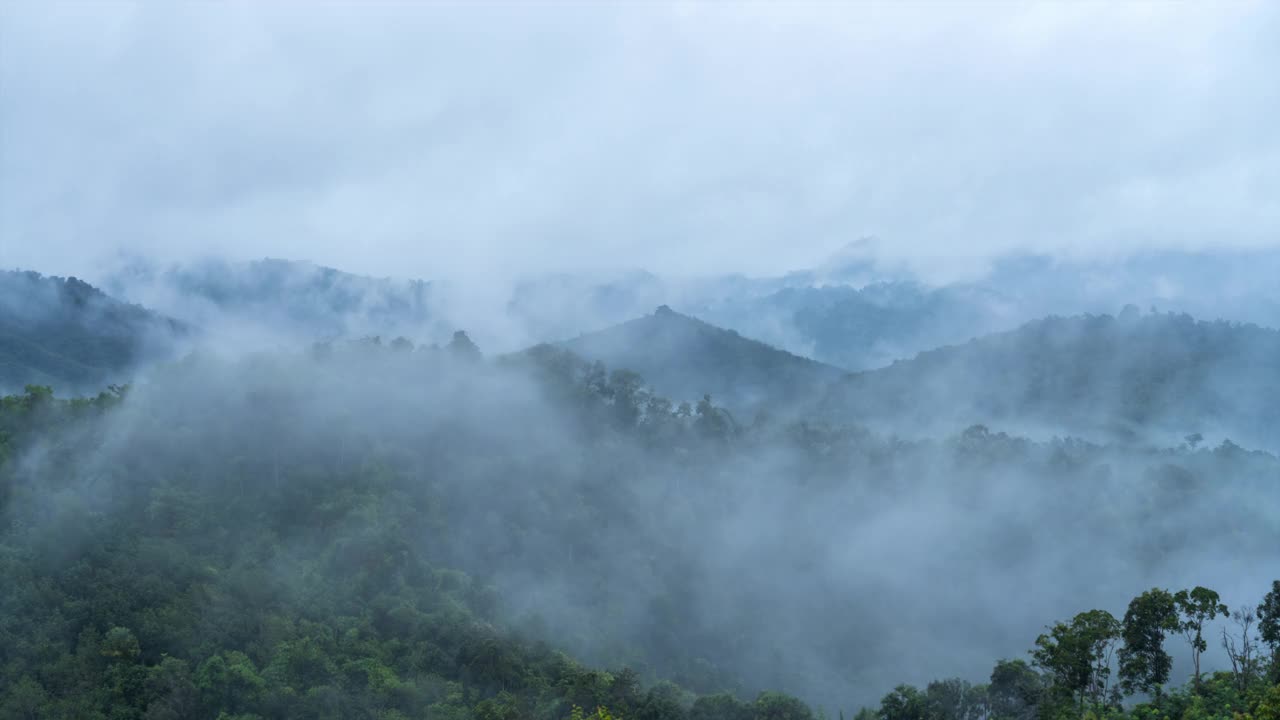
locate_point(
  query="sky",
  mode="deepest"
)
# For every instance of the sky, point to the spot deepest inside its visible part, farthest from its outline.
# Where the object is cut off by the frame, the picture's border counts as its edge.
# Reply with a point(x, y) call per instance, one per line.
point(469, 140)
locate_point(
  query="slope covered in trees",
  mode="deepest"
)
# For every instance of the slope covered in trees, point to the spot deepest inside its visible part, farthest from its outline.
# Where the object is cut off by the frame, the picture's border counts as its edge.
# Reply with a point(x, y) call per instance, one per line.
point(868, 327)
point(685, 359)
point(378, 531)
point(281, 299)
point(65, 332)
point(857, 314)
point(1154, 377)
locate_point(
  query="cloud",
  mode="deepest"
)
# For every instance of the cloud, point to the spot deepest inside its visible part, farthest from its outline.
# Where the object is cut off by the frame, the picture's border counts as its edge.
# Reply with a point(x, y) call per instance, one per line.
point(462, 139)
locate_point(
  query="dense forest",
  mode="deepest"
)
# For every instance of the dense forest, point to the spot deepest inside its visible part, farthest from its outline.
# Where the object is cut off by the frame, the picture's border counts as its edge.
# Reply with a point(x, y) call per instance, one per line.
point(683, 357)
point(1131, 377)
point(277, 298)
point(656, 360)
point(383, 531)
point(65, 332)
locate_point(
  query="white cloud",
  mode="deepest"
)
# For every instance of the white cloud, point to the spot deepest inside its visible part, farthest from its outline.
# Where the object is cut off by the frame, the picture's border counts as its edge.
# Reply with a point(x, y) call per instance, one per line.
point(429, 139)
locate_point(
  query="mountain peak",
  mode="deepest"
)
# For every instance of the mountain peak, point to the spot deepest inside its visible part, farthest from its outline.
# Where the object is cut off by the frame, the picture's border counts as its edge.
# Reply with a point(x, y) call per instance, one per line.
point(685, 358)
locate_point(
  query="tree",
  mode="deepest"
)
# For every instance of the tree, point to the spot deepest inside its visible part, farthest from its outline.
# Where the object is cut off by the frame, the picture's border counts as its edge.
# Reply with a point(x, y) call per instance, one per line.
point(1241, 655)
point(624, 692)
point(461, 346)
point(906, 702)
point(955, 699)
point(625, 390)
point(1015, 692)
point(1144, 664)
point(1269, 626)
point(119, 643)
point(174, 693)
point(601, 713)
point(720, 707)
point(228, 681)
point(778, 706)
point(712, 422)
point(662, 702)
point(23, 700)
point(1196, 607)
point(1079, 655)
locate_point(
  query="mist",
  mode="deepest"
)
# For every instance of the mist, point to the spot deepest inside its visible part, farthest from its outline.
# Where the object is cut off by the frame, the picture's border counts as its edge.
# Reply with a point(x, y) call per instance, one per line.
point(496, 361)
point(420, 141)
point(833, 564)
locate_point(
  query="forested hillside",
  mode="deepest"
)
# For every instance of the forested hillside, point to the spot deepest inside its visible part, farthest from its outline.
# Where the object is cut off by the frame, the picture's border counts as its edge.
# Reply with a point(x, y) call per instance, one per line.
point(685, 358)
point(1133, 377)
point(370, 530)
point(280, 299)
point(852, 313)
point(67, 333)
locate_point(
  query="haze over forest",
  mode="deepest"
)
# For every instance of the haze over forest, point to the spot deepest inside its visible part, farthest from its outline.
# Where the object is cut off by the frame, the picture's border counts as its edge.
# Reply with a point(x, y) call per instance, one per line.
point(666, 360)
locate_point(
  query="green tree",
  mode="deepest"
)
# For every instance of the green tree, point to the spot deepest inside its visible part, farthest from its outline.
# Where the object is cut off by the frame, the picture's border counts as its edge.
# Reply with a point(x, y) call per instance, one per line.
point(720, 707)
point(955, 699)
point(1078, 655)
point(119, 643)
point(1015, 692)
point(662, 702)
point(173, 691)
point(1269, 626)
point(229, 681)
point(23, 700)
point(780, 706)
point(1196, 607)
point(906, 702)
point(1144, 663)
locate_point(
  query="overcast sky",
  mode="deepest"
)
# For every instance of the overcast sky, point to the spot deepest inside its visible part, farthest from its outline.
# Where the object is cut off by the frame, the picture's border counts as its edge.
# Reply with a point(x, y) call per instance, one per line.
point(425, 139)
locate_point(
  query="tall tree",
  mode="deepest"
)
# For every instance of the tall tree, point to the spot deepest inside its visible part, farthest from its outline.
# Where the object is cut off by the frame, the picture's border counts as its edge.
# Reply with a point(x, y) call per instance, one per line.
point(1015, 691)
point(1269, 626)
point(1144, 664)
point(1240, 651)
point(1078, 655)
point(1196, 607)
point(955, 699)
point(906, 702)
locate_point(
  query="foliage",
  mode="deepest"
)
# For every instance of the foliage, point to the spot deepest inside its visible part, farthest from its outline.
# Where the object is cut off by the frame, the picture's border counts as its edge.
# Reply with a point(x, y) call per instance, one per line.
point(240, 548)
point(1144, 664)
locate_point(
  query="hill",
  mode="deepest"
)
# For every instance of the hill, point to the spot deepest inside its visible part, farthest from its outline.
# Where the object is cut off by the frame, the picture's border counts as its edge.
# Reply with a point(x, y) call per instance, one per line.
point(388, 532)
point(270, 300)
point(856, 314)
point(685, 358)
point(67, 334)
point(1133, 377)
point(868, 327)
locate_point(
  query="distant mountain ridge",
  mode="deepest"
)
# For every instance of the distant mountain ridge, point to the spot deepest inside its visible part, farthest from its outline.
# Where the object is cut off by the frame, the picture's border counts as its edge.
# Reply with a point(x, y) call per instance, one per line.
point(273, 300)
point(928, 358)
point(1111, 377)
point(855, 314)
point(68, 334)
point(685, 358)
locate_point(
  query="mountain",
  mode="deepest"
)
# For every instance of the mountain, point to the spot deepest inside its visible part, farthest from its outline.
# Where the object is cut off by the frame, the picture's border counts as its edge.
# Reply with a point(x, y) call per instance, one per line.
point(868, 327)
point(67, 334)
point(1233, 284)
point(1134, 376)
point(271, 300)
point(857, 314)
point(393, 532)
point(685, 358)
point(565, 304)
